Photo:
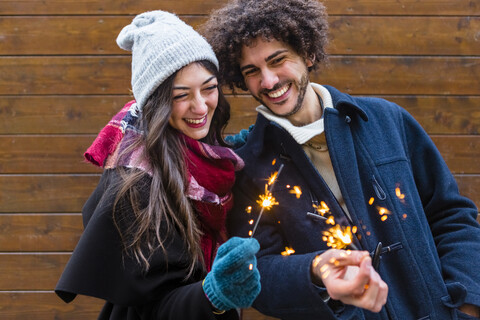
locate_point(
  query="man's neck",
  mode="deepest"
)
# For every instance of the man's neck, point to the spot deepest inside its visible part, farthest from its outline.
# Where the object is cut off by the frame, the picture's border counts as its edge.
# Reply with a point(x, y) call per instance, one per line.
point(311, 110)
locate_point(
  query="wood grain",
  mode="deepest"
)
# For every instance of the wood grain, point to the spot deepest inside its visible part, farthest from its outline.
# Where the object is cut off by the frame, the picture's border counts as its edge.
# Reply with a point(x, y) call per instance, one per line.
point(45, 193)
point(53, 154)
point(66, 114)
point(350, 35)
point(407, 75)
point(17, 305)
point(39, 232)
point(353, 7)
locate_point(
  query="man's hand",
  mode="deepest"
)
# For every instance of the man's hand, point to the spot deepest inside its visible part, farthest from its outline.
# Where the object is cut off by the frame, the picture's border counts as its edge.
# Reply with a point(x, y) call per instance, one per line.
point(349, 277)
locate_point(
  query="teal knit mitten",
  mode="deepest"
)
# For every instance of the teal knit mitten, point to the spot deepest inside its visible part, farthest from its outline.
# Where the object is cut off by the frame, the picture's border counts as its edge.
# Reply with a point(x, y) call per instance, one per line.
point(234, 281)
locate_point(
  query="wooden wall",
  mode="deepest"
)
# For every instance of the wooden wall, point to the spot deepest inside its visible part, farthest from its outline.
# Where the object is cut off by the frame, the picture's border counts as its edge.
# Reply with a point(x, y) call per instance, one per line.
point(62, 77)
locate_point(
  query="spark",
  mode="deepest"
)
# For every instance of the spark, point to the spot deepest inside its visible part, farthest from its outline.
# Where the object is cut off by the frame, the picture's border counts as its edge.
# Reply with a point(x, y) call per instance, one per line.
point(288, 251)
point(330, 220)
point(248, 209)
point(322, 208)
point(267, 200)
point(274, 161)
point(399, 193)
point(272, 178)
point(370, 202)
point(296, 191)
point(383, 212)
point(250, 267)
point(338, 237)
point(251, 221)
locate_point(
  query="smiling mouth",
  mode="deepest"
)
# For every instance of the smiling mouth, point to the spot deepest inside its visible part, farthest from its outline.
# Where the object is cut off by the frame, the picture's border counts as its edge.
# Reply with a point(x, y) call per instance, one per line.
point(195, 121)
point(278, 93)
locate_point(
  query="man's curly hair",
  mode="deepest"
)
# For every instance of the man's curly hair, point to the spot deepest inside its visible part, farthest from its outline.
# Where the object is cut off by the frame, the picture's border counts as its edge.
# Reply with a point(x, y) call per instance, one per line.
point(301, 24)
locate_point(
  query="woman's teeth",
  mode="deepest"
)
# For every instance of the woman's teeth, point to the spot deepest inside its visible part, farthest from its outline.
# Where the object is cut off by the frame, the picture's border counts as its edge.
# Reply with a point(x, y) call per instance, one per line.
point(278, 93)
point(195, 121)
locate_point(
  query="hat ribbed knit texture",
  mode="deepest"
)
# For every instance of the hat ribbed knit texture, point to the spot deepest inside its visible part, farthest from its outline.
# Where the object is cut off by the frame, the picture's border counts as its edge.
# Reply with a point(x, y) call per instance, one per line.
point(161, 44)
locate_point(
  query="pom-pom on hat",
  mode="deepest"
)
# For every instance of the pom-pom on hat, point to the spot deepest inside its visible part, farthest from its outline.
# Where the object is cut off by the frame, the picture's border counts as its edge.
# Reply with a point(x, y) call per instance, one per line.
point(161, 44)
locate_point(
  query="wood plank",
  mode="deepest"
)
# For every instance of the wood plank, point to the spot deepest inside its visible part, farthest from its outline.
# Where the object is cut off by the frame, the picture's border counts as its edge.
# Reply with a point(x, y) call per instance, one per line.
point(354, 74)
point(100, 7)
point(88, 114)
point(469, 186)
point(45, 193)
point(64, 154)
point(39, 232)
point(47, 305)
point(58, 114)
point(31, 271)
point(461, 153)
point(45, 154)
point(404, 35)
point(40, 35)
point(65, 75)
point(408, 75)
point(353, 7)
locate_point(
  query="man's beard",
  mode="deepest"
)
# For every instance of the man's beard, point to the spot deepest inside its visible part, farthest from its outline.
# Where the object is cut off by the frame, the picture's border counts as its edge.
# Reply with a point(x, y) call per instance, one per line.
point(302, 89)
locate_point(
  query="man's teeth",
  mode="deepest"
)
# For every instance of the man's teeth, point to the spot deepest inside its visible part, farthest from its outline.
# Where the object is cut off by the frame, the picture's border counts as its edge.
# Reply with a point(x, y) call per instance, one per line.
point(278, 93)
point(195, 121)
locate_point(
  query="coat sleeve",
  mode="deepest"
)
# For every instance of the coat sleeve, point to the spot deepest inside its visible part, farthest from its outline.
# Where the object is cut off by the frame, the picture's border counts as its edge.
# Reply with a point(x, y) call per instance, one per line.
point(99, 268)
point(287, 289)
point(451, 216)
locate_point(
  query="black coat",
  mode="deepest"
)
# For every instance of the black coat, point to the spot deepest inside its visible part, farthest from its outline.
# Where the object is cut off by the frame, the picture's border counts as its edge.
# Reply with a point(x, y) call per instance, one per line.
point(98, 268)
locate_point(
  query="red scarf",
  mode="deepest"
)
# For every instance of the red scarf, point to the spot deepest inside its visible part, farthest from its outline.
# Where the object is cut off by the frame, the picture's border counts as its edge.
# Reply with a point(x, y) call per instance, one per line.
point(211, 174)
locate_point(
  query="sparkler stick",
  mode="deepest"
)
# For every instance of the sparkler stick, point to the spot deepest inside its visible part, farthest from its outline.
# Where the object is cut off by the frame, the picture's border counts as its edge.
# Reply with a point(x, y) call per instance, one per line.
point(268, 197)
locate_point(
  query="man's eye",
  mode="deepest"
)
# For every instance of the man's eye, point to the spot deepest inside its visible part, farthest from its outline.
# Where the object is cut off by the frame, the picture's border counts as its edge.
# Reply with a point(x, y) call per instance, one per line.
point(278, 60)
point(250, 72)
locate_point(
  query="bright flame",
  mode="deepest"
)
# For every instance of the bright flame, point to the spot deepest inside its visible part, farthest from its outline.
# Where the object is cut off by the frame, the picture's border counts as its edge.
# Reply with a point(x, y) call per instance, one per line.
point(338, 237)
point(322, 208)
point(296, 191)
point(267, 201)
point(288, 251)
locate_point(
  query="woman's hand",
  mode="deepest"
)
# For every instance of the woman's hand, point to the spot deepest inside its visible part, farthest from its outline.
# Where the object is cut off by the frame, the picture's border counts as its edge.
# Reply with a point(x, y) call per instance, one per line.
point(234, 281)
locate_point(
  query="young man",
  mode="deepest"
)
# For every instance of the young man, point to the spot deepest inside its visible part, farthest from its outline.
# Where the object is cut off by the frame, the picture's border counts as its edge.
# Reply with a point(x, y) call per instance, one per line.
point(350, 163)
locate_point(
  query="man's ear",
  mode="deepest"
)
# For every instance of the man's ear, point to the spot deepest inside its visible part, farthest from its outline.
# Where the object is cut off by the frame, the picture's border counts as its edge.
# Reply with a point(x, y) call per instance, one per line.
point(309, 61)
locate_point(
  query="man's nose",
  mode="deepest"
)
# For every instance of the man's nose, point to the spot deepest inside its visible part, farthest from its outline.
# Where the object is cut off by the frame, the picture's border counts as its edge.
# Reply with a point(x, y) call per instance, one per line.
point(269, 79)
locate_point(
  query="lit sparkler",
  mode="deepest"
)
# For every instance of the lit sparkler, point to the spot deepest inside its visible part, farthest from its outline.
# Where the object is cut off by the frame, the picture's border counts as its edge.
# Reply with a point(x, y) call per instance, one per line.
point(267, 201)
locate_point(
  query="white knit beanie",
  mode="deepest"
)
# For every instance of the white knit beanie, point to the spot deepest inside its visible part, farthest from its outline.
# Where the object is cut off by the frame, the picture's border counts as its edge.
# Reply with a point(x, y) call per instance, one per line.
point(161, 44)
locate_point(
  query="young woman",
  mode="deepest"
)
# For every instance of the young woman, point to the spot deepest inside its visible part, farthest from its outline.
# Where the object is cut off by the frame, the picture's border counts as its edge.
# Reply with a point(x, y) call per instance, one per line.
point(156, 219)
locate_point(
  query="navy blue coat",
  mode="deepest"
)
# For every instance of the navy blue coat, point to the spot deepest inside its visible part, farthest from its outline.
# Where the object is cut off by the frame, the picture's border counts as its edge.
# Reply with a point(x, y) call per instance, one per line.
point(375, 147)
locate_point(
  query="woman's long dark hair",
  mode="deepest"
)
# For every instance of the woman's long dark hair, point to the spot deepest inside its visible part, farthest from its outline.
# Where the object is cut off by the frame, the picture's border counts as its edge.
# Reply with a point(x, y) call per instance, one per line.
point(168, 209)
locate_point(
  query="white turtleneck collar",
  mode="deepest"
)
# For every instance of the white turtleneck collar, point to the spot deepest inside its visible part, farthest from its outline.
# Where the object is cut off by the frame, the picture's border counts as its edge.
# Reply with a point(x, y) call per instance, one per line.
point(307, 132)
